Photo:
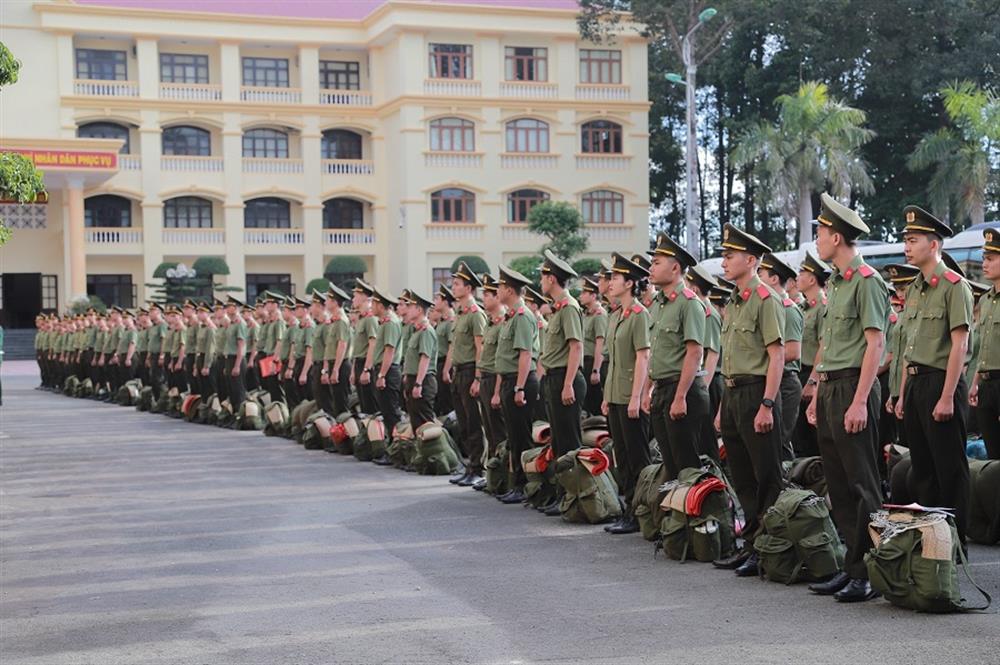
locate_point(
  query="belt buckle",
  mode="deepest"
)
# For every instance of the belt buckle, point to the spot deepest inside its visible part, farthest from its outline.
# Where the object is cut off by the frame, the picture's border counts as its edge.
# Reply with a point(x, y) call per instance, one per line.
point(911, 370)
point(730, 383)
point(823, 376)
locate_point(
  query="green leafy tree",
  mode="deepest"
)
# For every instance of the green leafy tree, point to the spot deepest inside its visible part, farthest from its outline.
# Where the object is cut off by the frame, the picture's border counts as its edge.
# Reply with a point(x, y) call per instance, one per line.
point(960, 155)
point(476, 264)
point(178, 282)
point(814, 145)
point(321, 284)
point(562, 224)
point(20, 181)
point(587, 266)
point(343, 270)
point(529, 266)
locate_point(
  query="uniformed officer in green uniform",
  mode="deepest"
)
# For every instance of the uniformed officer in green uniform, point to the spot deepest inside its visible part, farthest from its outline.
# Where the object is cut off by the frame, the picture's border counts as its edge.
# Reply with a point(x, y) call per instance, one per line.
point(336, 370)
point(752, 364)
point(188, 343)
point(595, 332)
point(235, 352)
point(388, 380)
point(320, 389)
point(406, 329)
point(628, 365)
point(444, 306)
point(486, 369)
point(303, 348)
point(703, 284)
point(154, 358)
point(462, 344)
point(900, 276)
point(811, 281)
point(675, 396)
point(125, 352)
point(776, 273)
point(204, 350)
point(285, 350)
point(420, 363)
point(934, 393)
point(272, 334)
point(252, 317)
point(985, 391)
point(515, 363)
point(363, 346)
point(219, 362)
point(846, 408)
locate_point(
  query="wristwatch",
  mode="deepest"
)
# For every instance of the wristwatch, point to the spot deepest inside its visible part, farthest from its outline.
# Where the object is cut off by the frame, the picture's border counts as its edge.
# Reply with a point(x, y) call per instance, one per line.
point(518, 389)
point(768, 403)
point(811, 382)
point(324, 371)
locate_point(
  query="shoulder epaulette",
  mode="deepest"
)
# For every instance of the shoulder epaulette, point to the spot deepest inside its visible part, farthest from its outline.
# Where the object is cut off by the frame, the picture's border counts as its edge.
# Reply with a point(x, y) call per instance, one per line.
point(788, 302)
point(952, 276)
point(688, 293)
point(866, 270)
point(636, 309)
point(763, 292)
point(520, 311)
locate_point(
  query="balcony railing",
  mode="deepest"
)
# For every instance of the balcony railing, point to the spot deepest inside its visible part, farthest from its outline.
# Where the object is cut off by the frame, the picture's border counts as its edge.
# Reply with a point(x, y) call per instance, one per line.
point(191, 92)
point(608, 232)
point(462, 160)
point(348, 166)
point(603, 162)
point(197, 237)
point(269, 95)
point(345, 97)
point(518, 232)
point(271, 165)
point(273, 237)
point(106, 88)
point(460, 87)
point(529, 89)
point(112, 237)
point(600, 91)
point(454, 231)
point(528, 160)
point(348, 237)
point(130, 162)
point(191, 164)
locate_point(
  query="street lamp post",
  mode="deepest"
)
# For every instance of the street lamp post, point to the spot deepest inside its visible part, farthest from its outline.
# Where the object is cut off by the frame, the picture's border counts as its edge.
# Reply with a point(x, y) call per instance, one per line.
point(693, 205)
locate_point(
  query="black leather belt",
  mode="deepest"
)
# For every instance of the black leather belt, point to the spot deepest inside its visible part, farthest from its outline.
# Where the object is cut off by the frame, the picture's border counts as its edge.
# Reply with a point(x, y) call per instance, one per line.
point(916, 370)
point(848, 373)
point(668, 381)
point(989, 375)
point(738, 380)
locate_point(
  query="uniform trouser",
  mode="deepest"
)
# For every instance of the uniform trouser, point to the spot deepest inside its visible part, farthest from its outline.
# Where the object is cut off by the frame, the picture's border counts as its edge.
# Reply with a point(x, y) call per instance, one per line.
point(194, 385)
point(791, 396)
point(125, 374)
point(141, 371)
point(886, 421)
point(272, 383)
point(206, 384)
point(305, 389)
point(679, 439)
point(221, 380)
point(518, 420)
point(754, 459)
point(850, 465)
point(470, 423)
point(253, 378)
point(631, 441)
point(237, 386)
point(595, 391)
point(366, 394)
point(988, 414)
point(85, 357)
point(320, 390)
point(564, 420)
point(446, 400)
point(708, 441)
point(493, 422)
point(340, 392)
point(939, 468)
point(155, 375)
point(291, 388)
point(388, 399)
point(804, 435)
point(420, 410)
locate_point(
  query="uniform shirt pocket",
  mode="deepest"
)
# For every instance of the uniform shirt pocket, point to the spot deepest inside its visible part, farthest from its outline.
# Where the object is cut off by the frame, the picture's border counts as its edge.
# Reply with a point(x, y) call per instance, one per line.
point(933, 323)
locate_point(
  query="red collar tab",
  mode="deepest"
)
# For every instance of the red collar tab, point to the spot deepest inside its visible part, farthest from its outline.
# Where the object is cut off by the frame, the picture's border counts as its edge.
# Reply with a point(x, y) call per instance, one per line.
point(952, 276)
point(559, 305)
point(520, 310)
point(471, 309)
point(866, 270)
point(688, 293)
point(672, 297)
point(763, 292)
point(745, 295)
point(634, 309)
point(787, 302)
point(934, 280)
point(848, 274)
point(384, 320)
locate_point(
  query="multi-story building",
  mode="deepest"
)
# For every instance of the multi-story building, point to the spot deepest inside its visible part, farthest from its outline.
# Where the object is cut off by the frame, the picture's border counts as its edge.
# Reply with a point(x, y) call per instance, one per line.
point(402, 133)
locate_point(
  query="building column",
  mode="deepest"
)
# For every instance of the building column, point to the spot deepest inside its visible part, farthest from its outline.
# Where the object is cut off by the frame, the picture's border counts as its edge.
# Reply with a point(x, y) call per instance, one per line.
point(233, 220)
point(381, 259)
point(312, 235)
point(152, 242)
point(231, 71)
point(65, 63)
point(309, 73)
point(489, 52)
point(148, 59)
point(566, 70)
point(77, 246)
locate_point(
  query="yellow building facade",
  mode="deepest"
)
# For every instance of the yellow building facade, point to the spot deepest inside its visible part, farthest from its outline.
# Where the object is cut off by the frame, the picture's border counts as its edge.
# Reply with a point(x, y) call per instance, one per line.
point(404, 134)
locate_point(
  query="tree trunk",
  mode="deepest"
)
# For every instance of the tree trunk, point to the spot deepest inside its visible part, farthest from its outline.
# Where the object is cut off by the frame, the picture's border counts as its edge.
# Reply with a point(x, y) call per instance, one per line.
point(977, 214)
point(749, 214)
point(805, 215)
point(720, 156)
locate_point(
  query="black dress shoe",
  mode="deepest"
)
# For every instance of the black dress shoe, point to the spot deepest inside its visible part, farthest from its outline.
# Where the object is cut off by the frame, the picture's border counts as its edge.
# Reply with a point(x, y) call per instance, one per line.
point(382, 461)
point(456, 479)
point(500, 497)
point(512, 497)
point(832, 585)
point(733, 561)
point(608, 527)
point(627, 525)
point(748, 568)
point(479, 485)
point(553, 510)
point(469, 480)
point(856, 591)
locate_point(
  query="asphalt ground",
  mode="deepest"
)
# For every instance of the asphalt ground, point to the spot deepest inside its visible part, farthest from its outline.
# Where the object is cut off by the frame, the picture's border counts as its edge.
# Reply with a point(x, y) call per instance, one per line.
point(134, 538)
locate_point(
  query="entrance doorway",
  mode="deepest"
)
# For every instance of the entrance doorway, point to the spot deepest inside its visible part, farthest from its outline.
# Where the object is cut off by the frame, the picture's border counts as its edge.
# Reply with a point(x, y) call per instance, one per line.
point(21, 299)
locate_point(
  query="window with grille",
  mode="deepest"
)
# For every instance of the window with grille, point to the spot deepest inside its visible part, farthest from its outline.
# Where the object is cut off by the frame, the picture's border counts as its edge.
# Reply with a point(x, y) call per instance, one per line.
point(50, 292)
point(343, 214)
point(527, 135)
point(453, 205)
point(270, 143)
point(338, 75)
point(520, 203)
point(601, 136)
point(112, 289)
point(107, 210)
point(451, 61)
point(267, 213)
point(600, 66)
point(258, 283)
point(265, 72)
point(183, 68)
point(453, 135)
point(341, 144)
point(526, 64)
point(440, 277)
point(185, 140)
point(603, 207)
point(105, 130)
point(101, 65)
point(187, 212)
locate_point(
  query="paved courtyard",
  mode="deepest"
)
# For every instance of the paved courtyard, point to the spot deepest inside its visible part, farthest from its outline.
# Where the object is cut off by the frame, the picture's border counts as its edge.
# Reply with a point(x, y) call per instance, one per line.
point(132, 538)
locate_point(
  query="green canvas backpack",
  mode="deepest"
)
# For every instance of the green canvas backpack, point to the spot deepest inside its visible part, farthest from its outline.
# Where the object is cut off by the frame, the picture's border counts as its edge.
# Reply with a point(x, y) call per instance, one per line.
point(316, 430)
point(70, 385)
point(342, 434)
point(403, 448)
point(984, 507)
point(298, 418)
point(250, 416)
point(277, 420)
point(913, 561)
point(435, 452)
point(591, 495)
point(540, 488)
point(498, 471)
point(86, 388)
point(698, 520)
point(370, 441)
point(799, 542)
point(647, 498)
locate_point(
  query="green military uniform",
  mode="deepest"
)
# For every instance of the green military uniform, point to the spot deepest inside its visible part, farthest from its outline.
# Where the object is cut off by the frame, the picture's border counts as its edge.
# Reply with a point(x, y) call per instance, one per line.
point(988, 360)
point(791, 388)
point(336, 331)
point(595, 326)
point(461, 335)
point(389, 333)
point(493, 422)
point(364, 332)
point(291, 338)
point(445, 399)
point(235, 333)
point(421, 343)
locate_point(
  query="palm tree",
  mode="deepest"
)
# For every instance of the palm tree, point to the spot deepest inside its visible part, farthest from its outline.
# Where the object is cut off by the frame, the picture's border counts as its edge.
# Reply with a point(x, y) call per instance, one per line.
point(960, 154)
point(813, 146)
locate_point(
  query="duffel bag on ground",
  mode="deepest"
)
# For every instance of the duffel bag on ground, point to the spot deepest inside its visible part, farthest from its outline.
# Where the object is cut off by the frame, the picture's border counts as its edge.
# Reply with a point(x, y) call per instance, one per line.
point(590, 493)
point(698, 523)
point(207, 409)
point(316, 431)
point(277, 420)
point(70, 385)
point(403, 448)
point(984, 507)
point(913, 561)
point(86, 388)
point(342, 434)
point(435, 453)
point(498, 476)
point(261, 396)
point(807, 473)
point(299, 414)
point(145, 402)
point(647, 498)
point(370, 437)
point(189, 407)
point(224, 415)
point(799, 542)
point(540, 489)
point(250, 416)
